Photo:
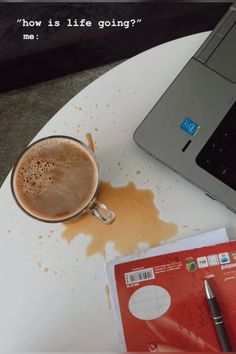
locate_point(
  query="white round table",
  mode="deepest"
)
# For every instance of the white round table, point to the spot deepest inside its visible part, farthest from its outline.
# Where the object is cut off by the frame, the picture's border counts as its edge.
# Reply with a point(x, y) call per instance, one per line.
point(53, 297)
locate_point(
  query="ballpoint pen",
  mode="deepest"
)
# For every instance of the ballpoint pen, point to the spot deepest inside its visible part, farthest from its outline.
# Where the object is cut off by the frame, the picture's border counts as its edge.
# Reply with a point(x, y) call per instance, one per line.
point(217, 318)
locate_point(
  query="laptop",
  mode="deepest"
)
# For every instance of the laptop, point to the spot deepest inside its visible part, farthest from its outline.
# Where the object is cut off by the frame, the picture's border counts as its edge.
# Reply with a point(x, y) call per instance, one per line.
point(192, 128)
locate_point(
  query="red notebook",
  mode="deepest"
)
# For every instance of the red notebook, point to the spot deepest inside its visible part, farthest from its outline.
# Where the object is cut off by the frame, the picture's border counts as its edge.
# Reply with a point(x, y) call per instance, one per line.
point(162, 301)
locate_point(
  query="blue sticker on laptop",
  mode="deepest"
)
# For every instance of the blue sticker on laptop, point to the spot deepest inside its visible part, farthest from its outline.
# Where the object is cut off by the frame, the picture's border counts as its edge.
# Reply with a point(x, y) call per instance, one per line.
point(189, 126)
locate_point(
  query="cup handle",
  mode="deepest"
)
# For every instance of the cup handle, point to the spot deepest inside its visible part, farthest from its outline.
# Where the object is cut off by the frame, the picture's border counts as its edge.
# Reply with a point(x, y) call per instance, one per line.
point(102, 213)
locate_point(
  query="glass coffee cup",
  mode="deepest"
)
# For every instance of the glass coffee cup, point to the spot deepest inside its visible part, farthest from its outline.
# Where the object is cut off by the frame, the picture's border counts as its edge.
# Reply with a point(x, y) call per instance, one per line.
point(56, 179)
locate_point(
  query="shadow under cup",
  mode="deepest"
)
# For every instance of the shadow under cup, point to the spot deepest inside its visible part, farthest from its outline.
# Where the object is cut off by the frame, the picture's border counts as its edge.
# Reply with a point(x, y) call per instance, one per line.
point(56, 179)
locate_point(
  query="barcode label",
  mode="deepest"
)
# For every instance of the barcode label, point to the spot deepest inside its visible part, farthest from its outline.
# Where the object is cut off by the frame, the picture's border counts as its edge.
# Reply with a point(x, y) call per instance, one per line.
point(139, 275)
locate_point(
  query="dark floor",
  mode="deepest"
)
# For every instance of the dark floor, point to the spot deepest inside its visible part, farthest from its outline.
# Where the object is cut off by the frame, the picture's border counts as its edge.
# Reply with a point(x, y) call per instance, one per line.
point(24, 112)
point(62, 50)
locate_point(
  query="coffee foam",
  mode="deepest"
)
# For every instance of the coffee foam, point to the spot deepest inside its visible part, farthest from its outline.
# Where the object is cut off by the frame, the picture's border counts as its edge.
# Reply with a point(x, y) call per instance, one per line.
point(55, 178)
point(36, 178)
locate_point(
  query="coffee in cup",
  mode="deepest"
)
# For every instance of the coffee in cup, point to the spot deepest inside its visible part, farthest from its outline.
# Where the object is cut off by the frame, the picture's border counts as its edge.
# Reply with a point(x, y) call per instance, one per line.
point(56, 179)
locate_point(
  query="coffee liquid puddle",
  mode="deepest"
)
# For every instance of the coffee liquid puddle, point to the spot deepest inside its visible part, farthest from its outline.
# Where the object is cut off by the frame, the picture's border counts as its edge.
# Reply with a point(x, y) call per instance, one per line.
point(137, 221)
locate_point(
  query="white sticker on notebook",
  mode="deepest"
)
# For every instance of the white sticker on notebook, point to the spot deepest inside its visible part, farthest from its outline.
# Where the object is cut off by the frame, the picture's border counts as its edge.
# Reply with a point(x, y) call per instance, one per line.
point(149, 302)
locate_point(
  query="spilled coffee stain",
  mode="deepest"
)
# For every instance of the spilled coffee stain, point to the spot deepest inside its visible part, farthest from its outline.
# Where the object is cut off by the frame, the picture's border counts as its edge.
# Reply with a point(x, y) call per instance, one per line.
point(137, 221)
point(90, 141)
point(107, 292)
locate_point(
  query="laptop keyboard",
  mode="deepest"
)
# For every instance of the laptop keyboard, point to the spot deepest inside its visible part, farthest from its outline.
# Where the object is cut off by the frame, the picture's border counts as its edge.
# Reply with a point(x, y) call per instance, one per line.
point(218, 156)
